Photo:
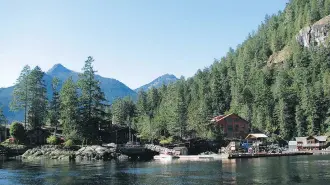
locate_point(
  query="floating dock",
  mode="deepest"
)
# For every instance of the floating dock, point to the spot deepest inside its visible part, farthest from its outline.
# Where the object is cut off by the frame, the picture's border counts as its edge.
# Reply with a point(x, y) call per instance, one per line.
point(234, 156)
point(203, 157)
point(257, 155)
point(196, 157)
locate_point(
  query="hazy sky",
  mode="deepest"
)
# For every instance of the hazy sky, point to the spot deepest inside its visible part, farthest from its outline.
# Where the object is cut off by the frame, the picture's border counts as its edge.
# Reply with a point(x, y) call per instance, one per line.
point(133, 41)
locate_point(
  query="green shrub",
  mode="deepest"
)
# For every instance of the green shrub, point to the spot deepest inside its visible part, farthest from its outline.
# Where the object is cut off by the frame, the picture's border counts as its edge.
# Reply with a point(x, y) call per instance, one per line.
point(68, 143)
point(169, 140)
point(52, 140)
point(17, 131)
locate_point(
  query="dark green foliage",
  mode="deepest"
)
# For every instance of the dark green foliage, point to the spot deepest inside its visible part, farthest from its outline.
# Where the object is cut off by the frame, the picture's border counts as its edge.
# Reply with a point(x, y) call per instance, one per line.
point(38, 107)
point(54, 107)
point(3, 122)
point(17, 131)
point(3, 119)
point(92, 99)
point(21, 94)
point(69, 113)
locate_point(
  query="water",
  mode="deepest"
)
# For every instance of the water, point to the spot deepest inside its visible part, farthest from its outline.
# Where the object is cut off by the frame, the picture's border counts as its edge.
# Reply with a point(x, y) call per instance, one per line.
point(311, 170)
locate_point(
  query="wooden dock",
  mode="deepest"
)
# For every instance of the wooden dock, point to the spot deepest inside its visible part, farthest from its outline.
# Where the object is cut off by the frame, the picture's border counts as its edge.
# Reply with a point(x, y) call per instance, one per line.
point(203, 157)
point(257, 155)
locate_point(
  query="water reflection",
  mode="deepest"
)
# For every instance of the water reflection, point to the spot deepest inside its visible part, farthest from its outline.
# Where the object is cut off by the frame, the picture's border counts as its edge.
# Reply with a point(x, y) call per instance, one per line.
point(281, 170)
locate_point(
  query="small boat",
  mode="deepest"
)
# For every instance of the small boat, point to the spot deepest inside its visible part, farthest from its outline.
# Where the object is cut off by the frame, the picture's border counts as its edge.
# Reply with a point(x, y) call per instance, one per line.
point(166, 156)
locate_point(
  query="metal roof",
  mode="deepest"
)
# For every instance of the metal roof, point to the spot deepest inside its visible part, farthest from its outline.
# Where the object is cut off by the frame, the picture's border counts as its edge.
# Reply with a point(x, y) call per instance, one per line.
point(301, 138)
point(321, 138)
point(255, 136)
point(292, 142)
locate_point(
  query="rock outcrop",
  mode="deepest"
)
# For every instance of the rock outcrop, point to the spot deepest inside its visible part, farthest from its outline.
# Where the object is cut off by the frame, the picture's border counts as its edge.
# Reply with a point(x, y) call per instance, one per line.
point(96, 152)
point(157, 148)
point(316, 34)
point(49, 152)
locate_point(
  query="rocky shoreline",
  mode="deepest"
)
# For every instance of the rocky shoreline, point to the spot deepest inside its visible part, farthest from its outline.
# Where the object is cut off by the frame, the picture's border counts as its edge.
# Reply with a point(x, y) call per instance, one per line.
point(93, 152)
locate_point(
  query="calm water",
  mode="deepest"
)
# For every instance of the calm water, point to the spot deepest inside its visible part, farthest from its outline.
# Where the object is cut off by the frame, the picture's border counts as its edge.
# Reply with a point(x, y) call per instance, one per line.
point(284, 170)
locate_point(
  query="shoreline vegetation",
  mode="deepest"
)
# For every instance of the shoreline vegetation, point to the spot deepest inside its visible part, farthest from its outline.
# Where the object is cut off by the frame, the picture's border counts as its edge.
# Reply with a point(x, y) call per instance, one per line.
point(276, 80)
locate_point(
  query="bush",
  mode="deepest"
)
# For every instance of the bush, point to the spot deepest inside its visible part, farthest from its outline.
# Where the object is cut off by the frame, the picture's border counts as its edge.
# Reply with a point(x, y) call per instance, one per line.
point(17, 131)
point(52, 140)
point(68, 143)
point(169, 140)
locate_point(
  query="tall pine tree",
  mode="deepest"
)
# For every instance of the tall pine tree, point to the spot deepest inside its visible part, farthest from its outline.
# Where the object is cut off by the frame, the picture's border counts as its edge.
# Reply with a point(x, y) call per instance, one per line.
point(54, 107)
point(69, 112)
point(21, 95)
point(92, 101)
point(37, 88)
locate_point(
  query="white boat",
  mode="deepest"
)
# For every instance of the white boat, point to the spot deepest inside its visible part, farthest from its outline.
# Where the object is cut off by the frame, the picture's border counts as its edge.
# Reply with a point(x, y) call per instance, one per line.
point(166, 156)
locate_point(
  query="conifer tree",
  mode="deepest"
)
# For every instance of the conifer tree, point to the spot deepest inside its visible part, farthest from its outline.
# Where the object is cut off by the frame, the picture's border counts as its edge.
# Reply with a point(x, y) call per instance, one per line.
point(21, 95)
point(92, 102)
point(69, 112)
point(37, 89)
point(54, 107)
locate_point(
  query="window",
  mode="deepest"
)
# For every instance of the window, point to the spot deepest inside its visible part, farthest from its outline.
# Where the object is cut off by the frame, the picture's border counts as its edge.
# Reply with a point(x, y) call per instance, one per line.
point(236, 127)
point(230, 128)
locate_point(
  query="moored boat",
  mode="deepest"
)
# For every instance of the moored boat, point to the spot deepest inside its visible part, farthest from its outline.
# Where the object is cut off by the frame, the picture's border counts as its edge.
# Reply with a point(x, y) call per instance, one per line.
point(166, 156)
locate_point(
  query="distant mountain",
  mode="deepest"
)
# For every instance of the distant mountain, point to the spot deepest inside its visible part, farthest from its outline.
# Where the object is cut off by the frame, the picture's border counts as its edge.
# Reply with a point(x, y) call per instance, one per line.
point(158, 82)
point(112, 89)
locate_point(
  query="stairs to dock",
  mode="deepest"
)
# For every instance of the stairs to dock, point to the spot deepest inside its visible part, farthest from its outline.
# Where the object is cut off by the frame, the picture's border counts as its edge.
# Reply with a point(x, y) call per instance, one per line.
point(228, 147)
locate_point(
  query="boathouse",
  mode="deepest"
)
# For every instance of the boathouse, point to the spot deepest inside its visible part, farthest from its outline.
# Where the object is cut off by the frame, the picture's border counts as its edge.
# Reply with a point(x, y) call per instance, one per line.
point(233, 126)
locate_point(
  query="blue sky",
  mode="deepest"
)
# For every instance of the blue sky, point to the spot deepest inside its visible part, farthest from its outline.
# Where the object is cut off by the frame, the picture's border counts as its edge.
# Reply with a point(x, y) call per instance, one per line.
point(133, 41)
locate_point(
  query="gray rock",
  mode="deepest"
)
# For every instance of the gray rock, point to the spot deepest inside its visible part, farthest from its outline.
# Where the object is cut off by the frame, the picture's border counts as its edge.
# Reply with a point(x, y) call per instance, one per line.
point(316, 34)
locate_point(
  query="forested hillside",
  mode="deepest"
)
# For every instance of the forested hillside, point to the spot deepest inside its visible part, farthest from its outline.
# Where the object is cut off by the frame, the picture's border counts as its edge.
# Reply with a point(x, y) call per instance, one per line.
point(281, 87)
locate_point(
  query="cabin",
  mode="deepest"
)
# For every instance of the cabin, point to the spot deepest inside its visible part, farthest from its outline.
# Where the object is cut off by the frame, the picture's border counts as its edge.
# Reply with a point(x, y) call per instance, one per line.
point(311, 142)
point(37, 136)
point(233, 126)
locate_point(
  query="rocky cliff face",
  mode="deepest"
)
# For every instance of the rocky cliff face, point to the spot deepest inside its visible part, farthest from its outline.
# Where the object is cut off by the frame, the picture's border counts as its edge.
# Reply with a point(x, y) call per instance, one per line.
point(316, 34)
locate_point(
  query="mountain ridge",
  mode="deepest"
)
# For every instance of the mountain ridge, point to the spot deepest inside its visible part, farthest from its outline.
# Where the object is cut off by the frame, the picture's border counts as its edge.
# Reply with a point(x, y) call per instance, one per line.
point(165, 79)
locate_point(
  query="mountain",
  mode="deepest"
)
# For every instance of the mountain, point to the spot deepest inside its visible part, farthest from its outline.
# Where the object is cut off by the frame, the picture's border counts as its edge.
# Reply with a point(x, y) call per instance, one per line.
point(112, 89)
point(158, 82)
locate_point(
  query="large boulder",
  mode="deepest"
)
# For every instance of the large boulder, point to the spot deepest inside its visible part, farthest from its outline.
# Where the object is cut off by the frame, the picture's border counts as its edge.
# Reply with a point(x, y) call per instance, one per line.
point(95, 152)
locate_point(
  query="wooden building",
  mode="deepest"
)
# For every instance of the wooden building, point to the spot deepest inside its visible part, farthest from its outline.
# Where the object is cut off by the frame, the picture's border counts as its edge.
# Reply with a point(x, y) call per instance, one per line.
point(311, 142)
point(233, 126)
point(38, 136)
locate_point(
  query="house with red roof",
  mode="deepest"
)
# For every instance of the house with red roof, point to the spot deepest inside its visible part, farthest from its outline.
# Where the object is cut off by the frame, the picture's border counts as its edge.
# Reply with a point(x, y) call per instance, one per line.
point(233, 126)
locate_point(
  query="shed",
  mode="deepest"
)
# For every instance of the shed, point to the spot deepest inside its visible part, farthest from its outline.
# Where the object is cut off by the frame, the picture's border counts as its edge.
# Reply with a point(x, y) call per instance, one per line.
point(293, 145)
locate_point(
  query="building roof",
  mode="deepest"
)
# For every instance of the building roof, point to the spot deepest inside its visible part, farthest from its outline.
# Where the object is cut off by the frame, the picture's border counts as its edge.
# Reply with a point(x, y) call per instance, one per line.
point(222, 117)
point(292, 142)
point(321, 138)
point(255, 136)
point(301, 138)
